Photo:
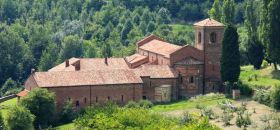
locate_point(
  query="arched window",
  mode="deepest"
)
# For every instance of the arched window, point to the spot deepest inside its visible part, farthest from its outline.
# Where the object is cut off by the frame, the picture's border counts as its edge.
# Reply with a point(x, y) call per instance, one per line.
point(199, 37)
point(213, 37)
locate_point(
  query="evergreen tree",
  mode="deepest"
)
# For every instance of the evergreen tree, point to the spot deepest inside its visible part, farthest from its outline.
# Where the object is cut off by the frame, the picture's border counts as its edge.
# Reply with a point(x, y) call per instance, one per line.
point(274, 32)
point(163, 16)
point(228, 12)
point(72, 46)
point(230, 60)
point(89, 49)
point(255, 49)
point(215, 11)
point(126, 29)
point(48, 58)
point(106, 50)
point(151, 27)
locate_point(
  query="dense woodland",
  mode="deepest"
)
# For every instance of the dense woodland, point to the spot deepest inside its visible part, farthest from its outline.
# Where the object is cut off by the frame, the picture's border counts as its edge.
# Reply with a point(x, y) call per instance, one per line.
point(42, 33)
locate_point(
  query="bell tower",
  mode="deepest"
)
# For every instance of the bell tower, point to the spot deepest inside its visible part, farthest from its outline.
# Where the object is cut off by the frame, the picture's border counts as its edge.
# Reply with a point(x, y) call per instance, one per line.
point(209, 34)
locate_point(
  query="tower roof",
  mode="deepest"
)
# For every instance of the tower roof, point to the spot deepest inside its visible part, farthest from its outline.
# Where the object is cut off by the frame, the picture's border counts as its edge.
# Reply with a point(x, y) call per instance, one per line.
point(209, 23)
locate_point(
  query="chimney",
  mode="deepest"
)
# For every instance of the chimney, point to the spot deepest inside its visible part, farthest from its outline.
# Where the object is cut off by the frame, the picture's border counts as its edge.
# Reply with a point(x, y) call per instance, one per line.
point(77, 66)
point(106, 60)
point(32, 71)
point(67, 63)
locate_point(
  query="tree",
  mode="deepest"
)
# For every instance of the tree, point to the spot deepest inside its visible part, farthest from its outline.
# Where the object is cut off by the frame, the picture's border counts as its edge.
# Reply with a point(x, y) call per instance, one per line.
point(19, 118)
point(163, 16)
point(255, 49)
point(9, 11)
point(89, 49)
point(2, 125)
point(275, 97)
point(215, 11)
point(68, 114)
point(8, 85)
point(151, 27)
point(72, 46)
point(41, 103)
point(106, 50)
point(228, 12)
point(263, 29)
point(274, 31)
point(230, 60)
point(126, 29)
point(48, 58)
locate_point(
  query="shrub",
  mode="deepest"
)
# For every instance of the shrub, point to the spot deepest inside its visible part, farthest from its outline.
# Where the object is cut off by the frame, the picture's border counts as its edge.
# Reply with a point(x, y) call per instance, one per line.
point(227, 117)
point(265, 64)
point(68, 113)
point(275, 97)
point(132, 104)
point(145, 104)
point(245, 89)
point(262, 96)
point(2, 125)
point(19, 118)
point(8, 85)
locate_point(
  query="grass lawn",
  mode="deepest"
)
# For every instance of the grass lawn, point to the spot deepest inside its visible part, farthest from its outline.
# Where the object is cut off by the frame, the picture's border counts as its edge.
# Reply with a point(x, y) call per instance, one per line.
point(4, 106)
point(265, 76)
point(181, 27)
point(208, 100)
point(69, 126)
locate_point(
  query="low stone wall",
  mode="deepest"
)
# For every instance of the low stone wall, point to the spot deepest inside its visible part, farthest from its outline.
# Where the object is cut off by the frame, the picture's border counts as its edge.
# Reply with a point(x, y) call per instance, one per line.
point(3, 99)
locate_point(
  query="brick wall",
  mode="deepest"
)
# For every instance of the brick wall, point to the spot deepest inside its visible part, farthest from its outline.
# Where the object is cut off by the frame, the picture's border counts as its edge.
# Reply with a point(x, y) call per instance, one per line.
point(30, 83)
point(186, 51)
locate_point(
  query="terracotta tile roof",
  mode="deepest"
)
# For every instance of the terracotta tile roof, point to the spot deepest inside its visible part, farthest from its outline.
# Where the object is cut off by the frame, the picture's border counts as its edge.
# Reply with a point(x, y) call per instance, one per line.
point(160, 47)
point(135, 58)
point(81, 78)
point(209, 22)
point(156, 71)
point(23, 93)
point(61, 67)
point(148, 39)
point(99, 64)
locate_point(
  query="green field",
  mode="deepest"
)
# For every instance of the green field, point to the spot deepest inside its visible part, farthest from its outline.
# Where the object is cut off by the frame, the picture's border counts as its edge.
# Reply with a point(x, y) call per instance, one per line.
point(181, 27)
point(265, 77)
point(208, 100)
point(4, 106)
point(69, 126)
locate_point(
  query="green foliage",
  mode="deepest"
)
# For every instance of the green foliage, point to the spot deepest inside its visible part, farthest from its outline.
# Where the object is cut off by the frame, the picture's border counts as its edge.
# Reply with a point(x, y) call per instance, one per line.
point(68, 114)
point(19, 118)
point(245, 89)
point(72, 46)
point(215, 11)
point(243, 120)
point(41, 103)
point(230, 60)
point(228, 11)
point(2, 125)
point(8, 85)
point(262, 96)
point(145, 104)
point(48, 58)
point(132, 104)
point(275, 97)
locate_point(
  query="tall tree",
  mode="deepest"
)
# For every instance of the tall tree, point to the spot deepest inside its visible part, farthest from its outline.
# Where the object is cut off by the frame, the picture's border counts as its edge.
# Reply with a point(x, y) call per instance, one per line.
point(40, 103)
point(107, 50)
point(230, 60)
point(228, 12)
point(255, 49)
point(274, 31)
point(49, 57)
point(215, 11)
point(72, 46)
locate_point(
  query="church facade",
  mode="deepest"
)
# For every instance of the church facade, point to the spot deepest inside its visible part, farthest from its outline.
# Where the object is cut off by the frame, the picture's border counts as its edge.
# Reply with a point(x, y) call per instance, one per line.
point(159, 71)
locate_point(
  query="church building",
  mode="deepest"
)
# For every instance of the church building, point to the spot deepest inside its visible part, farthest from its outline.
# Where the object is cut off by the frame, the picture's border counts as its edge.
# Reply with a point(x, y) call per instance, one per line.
point(159, 71)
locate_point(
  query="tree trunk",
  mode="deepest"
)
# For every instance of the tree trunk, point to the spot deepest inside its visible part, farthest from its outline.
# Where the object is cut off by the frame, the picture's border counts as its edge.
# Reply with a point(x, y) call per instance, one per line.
point(275, 66)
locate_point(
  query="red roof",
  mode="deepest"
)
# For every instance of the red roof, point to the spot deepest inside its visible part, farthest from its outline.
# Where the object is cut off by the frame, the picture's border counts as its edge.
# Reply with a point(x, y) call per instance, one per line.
point(23, 93)
point(209, 23)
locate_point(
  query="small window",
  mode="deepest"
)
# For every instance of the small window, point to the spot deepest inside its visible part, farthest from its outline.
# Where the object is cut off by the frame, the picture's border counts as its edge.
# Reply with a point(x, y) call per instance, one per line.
point(69, 99)
point(85, 100)
point(199, 37)
point(109, 98)
point(180, 78)
point(144, 97)
point(122, 98)
point(191, 79)
point(77, 103)
point(213, 37)
point(96, 99)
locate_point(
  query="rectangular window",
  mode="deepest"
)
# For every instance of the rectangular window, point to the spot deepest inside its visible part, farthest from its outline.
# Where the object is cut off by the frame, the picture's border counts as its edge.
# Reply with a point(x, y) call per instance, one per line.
point(96, 99)
point(122, 98)
point(85, 100)
point(109, 98)
point(77, 103)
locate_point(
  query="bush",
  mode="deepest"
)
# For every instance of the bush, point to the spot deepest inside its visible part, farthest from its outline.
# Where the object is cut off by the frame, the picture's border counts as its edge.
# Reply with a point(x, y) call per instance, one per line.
point(265, 64)
point(19, 118)
point(8, 85)
point(262, 96)
point(275, 97)
point(145, 104)
point(245, 89)
point(132, 104)
point(68, 113)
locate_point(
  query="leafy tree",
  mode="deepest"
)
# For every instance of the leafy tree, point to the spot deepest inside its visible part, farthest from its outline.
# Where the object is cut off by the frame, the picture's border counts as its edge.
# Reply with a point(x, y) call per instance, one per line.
point(264, 26)
point(106, 50)
point(136, 19)
point(41, 103)
point(68, 113)
point(228, 12)
point(2, 125)
point(8, 85)
point(254, 47)
point(173, 6)
point(126, 29)
point(275, 97)
point(215, 12)
point(163, 16)
point(274, 32)
point(72, 46)
point(89, 49)
point(151, 27)
point(48, 58)
point(9, 11)
point(230, 60)
point(19, 118)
